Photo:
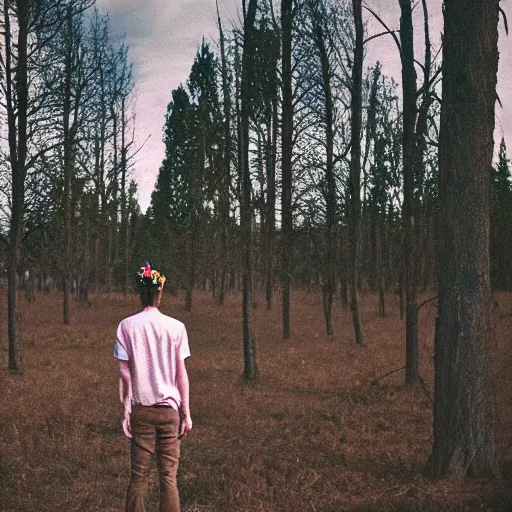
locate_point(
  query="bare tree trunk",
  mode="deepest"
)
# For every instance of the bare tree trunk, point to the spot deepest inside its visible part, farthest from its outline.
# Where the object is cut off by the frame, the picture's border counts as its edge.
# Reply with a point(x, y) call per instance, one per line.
point(238, 114)
point(401, 292)
point(329, 280)
point(380, 271)
point(249, 341)
point(17, 139)
point(124, 203)
point(409, 210)
point(67, 167)
point(286, 163)
point(115, 203)
point(321, 38)
point(271, 155)
point(261, 243)
point(343, 269)
point(355, 166)
point(369, 203)
point(226, 175)
point(84, 287)
point(420, 147)
point(463, 408)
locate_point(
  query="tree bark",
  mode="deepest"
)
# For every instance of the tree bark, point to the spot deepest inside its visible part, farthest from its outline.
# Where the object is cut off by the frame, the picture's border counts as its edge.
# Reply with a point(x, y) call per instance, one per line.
point(344, 273)
point(355, 166)
point(380, 271)
point(124, 202)
point(115, 201)
point(320, 38)
point(409, 210)
point(68, 170)
point(226, 175)
point(17, 109)
point(249, 341)
point(286, 162)
point(420, 147)
point(463, 408)
point(270, 224)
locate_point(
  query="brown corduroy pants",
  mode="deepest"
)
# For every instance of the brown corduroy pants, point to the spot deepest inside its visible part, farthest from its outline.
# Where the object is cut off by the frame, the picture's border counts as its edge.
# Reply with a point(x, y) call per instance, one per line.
point(154, 427)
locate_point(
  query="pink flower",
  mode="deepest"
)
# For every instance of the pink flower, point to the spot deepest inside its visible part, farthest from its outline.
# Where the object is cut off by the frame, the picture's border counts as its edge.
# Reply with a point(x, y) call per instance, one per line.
point(147, 271)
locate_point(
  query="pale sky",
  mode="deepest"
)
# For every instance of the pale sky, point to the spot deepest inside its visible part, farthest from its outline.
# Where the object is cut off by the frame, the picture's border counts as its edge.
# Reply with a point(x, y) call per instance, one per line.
point(164, 36)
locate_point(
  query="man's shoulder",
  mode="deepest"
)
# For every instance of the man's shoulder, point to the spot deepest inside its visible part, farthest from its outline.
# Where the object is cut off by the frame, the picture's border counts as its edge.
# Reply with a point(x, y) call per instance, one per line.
point(172, 322)
point(134, 317)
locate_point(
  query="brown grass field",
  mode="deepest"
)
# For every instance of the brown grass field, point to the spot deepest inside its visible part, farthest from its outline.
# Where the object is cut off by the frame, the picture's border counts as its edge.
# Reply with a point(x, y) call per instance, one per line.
point(314, 434)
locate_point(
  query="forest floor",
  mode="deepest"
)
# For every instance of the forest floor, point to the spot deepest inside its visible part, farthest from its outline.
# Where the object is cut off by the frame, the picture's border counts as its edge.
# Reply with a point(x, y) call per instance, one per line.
point(314, 434)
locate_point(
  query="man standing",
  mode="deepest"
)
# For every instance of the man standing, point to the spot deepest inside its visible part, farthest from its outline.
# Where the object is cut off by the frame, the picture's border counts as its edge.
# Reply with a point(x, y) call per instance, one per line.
point(151, 348)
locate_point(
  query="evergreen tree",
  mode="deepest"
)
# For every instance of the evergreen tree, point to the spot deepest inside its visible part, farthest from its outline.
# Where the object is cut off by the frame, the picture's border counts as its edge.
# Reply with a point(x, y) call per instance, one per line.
point(186, 192)
point(501, 220)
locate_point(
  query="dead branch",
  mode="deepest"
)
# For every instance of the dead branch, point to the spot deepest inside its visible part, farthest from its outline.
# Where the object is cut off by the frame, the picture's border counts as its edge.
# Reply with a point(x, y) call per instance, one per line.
point(374, 381)
point(392, 33)
point(504, 20)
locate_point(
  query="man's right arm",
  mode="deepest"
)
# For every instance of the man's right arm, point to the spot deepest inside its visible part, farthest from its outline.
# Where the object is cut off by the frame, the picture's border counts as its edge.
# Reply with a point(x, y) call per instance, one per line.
point(183, 387)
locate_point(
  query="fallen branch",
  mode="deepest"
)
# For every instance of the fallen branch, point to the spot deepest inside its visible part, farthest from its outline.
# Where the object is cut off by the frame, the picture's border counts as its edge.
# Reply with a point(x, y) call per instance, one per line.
point(422, 382)
point(386, 374)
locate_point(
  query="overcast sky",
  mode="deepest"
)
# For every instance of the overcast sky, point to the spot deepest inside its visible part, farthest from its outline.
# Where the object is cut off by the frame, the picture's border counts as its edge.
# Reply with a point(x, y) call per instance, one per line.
point(164, 35)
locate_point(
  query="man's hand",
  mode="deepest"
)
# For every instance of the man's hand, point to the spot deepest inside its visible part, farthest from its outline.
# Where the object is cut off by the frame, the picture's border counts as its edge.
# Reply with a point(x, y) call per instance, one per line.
point(186, 425)
point(183, 387)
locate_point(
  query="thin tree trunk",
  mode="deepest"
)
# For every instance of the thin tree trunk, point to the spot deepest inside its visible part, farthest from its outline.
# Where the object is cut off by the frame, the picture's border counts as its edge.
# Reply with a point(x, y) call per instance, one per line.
point(344, 243)
point(84, 292)
point(463, 405)
point(17, 139)
point(255, 265)
point(286, 162)
point(271, 155)
point(67, 163)
point(409, 210)
point(259, 261)
point(380, 271)
point(420, 147)
point(226, 175)
point(124, 203)
point(320, 38)
point(355, 167)
point(249, 341)
point(115, 205)
point(97, 207)
point(401, 292)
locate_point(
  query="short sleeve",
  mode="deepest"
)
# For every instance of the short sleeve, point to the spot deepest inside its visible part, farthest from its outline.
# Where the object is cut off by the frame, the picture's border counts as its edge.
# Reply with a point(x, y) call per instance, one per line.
point(183, 347)
point(120, 347)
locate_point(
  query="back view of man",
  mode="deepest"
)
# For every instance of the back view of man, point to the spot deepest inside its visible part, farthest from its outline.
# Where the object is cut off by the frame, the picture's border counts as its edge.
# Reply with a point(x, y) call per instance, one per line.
point(151, 348)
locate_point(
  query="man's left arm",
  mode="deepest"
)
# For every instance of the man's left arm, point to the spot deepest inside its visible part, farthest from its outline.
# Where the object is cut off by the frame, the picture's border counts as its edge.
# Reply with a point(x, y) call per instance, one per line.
point(125, 386)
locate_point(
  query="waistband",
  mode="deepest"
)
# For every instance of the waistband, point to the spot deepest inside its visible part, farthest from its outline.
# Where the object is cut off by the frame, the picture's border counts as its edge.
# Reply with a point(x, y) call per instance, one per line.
point(154, 406)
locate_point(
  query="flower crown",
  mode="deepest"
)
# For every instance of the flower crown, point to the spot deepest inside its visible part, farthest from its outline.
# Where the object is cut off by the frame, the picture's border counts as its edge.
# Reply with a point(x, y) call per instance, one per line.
point(153, 275)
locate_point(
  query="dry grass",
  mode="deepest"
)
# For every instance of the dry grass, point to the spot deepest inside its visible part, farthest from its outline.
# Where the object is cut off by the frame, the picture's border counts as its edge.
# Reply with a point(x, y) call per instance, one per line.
point(313, 435)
